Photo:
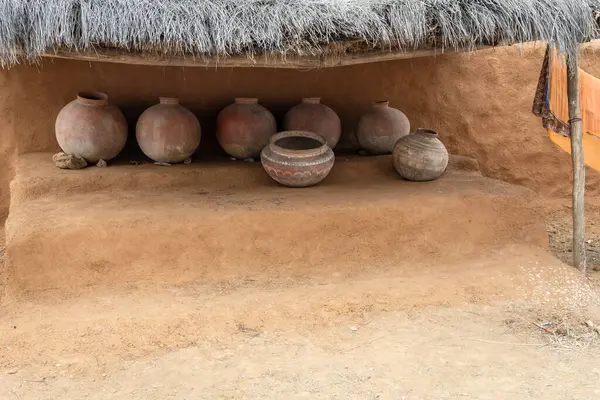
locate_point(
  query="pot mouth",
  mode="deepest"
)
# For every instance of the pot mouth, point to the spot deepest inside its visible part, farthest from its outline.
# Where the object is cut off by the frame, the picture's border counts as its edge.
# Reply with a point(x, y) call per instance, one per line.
point(381, 103)
point(299, 144)
point(93, 98)
point(168, 100)
point(246, 100)
point(311, 100)
point(426, 132)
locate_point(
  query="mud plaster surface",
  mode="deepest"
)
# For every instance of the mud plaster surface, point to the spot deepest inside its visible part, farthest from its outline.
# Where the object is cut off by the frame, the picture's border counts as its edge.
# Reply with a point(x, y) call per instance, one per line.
point(479, 103)
point(204, 222)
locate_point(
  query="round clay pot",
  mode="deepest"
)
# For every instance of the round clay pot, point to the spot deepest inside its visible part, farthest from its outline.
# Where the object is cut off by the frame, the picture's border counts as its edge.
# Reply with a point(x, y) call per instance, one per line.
point(312, 116)
point(380, 128)
point(89, 127)
point(297, 158)
point(168, 132)
point(244, 128)
point(420, 156)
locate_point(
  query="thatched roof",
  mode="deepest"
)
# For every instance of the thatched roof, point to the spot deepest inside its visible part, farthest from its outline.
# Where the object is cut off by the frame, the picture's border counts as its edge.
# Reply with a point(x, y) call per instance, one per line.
point(224, 28)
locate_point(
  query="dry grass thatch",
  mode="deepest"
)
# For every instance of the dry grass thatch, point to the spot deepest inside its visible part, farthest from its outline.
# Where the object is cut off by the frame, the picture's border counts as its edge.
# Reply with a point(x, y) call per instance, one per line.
point(29, 28)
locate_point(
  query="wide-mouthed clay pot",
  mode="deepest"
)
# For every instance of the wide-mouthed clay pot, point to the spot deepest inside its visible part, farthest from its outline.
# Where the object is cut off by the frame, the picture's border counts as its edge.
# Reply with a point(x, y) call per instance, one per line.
point(91, 128)
point(297, 158)
point(244, 128)
point(168, 132)
point(420, 156)
point(380, 128)
point(312, 116)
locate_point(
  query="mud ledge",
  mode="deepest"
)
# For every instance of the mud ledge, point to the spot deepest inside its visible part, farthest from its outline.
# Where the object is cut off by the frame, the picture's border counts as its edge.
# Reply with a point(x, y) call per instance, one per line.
point(70, 232)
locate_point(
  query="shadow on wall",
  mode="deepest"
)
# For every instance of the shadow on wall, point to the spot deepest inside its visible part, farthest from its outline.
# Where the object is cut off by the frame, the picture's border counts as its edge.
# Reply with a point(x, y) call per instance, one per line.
point(480, 104)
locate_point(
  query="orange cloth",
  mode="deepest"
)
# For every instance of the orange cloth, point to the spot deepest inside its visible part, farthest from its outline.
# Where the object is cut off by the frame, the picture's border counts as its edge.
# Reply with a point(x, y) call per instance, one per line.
point(589, 94)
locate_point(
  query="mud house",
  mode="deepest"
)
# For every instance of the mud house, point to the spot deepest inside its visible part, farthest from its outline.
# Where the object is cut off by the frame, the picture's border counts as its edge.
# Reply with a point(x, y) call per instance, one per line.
point(216, 219)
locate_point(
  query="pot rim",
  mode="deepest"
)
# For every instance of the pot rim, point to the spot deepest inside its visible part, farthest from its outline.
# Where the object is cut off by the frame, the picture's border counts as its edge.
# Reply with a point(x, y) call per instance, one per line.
point(92, 98)
point(427, 132)
point(381, 103)
point(317, 151)
point(246, 100)
point(311, 100)
point(168, 100)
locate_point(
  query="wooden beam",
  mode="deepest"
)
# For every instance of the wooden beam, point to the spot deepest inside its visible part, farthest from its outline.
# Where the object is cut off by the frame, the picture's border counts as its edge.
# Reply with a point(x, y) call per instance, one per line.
point(576, 128)
point(329, 59)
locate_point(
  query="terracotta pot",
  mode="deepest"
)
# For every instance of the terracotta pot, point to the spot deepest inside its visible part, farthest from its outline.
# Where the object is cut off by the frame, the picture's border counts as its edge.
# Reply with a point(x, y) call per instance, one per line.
point(420, 156)
point(244, 128)
point(297, 158)
point(89, 127)
point(315, 117)
point(168, 132)
point(380, 128)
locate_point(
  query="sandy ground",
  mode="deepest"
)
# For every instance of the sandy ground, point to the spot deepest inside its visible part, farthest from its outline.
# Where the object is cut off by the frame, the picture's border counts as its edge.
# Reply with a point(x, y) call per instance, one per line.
point(187, 344)
point(422, 354)
point(358, 340)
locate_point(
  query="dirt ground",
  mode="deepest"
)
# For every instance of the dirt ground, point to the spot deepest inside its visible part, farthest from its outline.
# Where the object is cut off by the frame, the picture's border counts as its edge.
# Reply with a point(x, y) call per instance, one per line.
point(559, 221)
point(356, 341)
point(427, 354)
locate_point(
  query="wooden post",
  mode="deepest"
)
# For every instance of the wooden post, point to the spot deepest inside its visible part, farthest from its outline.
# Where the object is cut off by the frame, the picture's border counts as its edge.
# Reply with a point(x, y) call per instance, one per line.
point(576, 127)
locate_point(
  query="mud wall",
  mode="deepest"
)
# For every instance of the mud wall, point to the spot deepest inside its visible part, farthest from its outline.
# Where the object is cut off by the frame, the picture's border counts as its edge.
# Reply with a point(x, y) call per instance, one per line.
point(479, 103)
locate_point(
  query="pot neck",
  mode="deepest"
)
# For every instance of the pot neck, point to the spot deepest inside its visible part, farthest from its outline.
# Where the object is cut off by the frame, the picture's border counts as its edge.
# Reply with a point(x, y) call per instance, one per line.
point(426, 133)
point(311, 100)
point(246, 100)
point(317, 151)
point(92, 98)
point(168, 100)
point(381, 104)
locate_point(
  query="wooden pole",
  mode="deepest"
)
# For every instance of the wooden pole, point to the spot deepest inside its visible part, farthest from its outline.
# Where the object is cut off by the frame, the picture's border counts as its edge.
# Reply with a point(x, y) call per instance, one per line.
point(576, 127)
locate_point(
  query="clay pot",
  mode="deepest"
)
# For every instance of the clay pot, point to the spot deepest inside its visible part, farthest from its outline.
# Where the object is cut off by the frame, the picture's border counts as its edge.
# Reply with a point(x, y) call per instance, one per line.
point(315, 117)
point(244, 128)
point(380, 128)
point(297, 158)
point(420, 156)
point(89, 127)
point(168, 132)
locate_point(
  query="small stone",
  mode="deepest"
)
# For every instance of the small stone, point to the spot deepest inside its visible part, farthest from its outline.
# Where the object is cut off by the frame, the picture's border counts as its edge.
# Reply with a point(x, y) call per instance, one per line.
point(353, 328)
point(187, 161)
point(233, 158)
point(162, 164)
point(249, 159)
point(67, 161)
point(101, 164)
point(12, 371)
point(589, 324)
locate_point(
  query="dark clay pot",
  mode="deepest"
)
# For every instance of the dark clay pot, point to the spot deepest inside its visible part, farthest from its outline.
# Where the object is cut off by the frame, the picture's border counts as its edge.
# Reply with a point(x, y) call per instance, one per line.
point(168, 132)
point(244, 128)
point(420, 156)
point(312, 116)
point(380, 128)
point(297, 158)
point(89, 127)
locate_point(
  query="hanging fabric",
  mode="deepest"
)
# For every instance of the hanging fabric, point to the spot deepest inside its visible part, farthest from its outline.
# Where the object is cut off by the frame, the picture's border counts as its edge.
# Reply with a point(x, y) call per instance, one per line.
point(552, 106)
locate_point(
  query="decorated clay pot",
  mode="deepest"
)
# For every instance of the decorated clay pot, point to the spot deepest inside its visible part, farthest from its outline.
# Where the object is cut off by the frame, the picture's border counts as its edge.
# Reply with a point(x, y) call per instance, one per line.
point(297, 158)
point(420, 156)
point(168, 132)
point(244, 128)
point(89, 127)
point(380, 128)
point(312, 116)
